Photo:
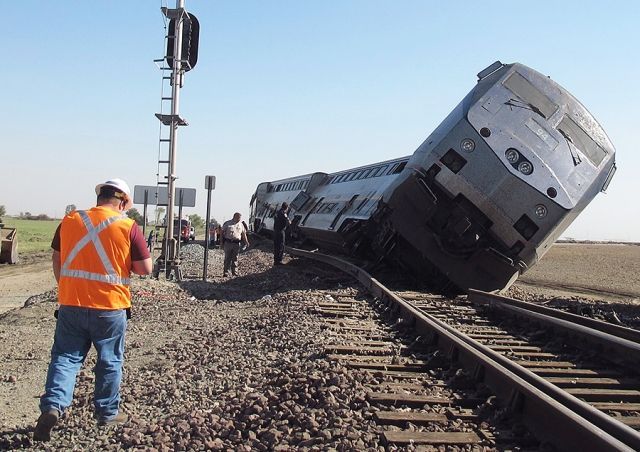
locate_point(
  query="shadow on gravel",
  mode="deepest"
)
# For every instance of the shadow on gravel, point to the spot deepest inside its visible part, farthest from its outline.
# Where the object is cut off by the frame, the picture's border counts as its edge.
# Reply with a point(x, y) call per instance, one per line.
point(16, 438)
point(295, 274)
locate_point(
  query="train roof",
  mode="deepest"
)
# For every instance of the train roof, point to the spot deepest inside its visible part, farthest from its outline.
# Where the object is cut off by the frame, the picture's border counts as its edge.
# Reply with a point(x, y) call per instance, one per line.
point(309, 175)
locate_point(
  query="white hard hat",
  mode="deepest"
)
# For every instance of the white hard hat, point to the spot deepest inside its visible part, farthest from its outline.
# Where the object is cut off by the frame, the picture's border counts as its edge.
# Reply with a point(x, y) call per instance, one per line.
point(120, 185)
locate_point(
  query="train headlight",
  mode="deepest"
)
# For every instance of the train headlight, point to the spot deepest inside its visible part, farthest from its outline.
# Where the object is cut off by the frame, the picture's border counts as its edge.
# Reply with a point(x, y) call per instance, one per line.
point(512, 155)
point(525, 168)
point(541, 211)
point(467, 145)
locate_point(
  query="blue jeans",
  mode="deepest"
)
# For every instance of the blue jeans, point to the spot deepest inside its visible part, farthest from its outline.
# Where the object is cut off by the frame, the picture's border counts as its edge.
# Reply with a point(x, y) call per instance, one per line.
point(76, 329)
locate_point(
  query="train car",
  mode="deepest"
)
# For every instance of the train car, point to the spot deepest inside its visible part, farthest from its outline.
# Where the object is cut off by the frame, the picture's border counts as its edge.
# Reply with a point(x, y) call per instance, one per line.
point(479, 202)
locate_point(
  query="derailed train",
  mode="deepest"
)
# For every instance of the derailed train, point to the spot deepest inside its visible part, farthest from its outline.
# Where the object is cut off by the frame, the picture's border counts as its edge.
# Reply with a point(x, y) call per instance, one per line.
point(479, 202)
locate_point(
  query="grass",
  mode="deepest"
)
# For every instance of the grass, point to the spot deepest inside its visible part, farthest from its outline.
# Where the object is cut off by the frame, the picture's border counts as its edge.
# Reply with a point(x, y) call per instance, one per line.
point(33, 235)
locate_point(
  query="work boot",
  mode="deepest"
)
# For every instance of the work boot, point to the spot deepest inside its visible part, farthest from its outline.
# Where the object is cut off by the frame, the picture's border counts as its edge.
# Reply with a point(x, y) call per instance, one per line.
point(45, 424)
point(119, 418)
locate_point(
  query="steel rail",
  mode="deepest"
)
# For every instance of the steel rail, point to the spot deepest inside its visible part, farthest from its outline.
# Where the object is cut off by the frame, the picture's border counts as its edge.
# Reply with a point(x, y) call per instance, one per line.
point(624, 350)
point(478, 296)
point(531, 396)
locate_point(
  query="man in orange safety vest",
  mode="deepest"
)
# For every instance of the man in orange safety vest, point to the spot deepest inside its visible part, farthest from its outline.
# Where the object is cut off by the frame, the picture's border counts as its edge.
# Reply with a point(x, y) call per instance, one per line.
point(94, 253)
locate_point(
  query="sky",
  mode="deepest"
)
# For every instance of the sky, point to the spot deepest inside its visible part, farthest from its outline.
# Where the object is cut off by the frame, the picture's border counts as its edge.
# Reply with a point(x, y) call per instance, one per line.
point(284, 88)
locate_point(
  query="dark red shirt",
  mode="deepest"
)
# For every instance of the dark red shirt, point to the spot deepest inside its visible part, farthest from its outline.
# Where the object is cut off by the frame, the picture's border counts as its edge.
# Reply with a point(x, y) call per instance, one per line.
point(139, 250)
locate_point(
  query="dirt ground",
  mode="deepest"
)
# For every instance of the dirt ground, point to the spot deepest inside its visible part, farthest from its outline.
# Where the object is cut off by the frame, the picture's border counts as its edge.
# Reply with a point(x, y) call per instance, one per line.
point(580, 273)
point(601, 271)
point(32, 276)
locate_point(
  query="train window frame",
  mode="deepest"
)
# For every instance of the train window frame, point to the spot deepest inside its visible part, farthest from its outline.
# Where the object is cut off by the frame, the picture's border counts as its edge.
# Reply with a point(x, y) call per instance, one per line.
point(399, 167)
point(576, 136)
point(361, 205)
point(523, 89)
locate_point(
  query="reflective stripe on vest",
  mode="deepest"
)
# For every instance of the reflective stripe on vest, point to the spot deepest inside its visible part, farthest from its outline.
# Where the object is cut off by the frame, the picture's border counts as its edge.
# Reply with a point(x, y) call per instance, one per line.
point(111, 277)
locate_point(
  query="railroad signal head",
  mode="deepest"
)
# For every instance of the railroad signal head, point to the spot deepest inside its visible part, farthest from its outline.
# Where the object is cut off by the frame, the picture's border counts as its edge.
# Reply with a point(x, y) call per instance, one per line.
point(190, 38)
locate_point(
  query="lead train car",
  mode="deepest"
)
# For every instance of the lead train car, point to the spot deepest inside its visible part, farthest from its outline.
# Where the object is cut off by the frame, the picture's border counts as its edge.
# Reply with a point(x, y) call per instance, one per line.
point(478, 203)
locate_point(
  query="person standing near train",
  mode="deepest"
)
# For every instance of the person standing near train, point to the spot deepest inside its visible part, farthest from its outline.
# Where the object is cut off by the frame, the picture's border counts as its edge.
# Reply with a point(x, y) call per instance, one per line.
point(233, 234)
point(94, 253)
point(280, 225)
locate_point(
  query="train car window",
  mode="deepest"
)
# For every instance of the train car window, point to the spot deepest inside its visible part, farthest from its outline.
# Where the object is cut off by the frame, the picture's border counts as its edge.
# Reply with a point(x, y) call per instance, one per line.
point(366, 173)
point(350, 177)
point(382, 170)
point(361, 205)
point(581, 140)
point(532, 97)
point(398, 169)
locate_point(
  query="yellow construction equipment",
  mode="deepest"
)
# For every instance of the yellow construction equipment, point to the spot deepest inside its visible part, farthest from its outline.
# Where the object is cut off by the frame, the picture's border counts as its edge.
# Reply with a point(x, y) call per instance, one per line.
point(9, 251)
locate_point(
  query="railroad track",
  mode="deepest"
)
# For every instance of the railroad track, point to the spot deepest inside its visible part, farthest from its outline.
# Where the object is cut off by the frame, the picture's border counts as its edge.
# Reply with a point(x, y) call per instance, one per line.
point(570, 380)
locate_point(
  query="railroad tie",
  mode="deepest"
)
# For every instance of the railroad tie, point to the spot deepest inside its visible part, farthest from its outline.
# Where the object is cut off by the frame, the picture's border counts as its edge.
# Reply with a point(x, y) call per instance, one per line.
point(404, 417)
point(399, 398)
point(431, 438)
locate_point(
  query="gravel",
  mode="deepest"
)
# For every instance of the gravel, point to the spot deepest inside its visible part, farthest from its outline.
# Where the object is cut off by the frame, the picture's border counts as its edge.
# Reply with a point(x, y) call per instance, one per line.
point(233, 363)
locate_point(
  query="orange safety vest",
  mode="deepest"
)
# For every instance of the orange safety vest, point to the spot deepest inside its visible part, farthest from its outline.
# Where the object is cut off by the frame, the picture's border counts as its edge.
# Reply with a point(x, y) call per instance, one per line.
point(95, 256)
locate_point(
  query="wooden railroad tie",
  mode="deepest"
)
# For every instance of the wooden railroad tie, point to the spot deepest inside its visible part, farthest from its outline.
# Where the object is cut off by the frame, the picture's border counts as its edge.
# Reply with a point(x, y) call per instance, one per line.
point(432, 438)
point(399, 398)
point(404, 417)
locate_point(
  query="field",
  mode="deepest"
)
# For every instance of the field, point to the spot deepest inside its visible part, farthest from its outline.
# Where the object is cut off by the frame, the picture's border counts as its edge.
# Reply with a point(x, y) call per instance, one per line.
point(33, 235)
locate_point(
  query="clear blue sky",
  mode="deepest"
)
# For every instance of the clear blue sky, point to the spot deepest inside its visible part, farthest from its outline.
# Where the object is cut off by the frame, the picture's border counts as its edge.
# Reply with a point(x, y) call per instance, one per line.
point(286, 88)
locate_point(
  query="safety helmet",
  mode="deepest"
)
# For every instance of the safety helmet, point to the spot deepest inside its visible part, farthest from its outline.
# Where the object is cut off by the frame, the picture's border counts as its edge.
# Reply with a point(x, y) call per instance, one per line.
point(119, 185)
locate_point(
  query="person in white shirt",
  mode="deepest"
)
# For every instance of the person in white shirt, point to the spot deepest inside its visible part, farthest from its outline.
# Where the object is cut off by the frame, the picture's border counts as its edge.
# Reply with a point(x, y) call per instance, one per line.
point(233, 234)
